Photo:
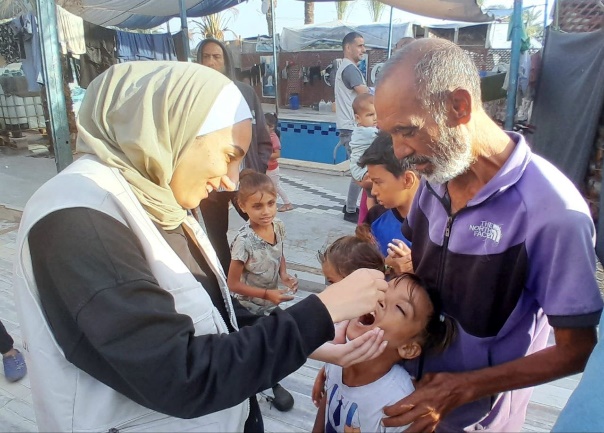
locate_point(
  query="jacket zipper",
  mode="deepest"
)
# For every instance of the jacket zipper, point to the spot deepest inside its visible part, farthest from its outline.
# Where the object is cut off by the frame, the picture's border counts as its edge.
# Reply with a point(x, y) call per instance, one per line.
point(443, 257)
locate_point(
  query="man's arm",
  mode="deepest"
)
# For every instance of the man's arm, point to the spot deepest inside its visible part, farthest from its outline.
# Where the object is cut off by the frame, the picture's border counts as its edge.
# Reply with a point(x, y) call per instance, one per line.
point(361, 88)
point(437, 394)
point(353, 79)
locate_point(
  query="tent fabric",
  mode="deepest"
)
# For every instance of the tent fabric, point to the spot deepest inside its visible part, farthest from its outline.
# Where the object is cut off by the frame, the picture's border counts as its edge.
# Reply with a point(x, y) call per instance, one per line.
point(331, 35)
point(497, 38)
point(140, 14)
point(458, 10)
point(568, 105)
point(569, 100)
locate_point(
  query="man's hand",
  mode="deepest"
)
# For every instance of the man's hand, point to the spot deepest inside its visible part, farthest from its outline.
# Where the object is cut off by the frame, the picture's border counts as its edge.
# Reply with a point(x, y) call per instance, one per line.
point(435, 396)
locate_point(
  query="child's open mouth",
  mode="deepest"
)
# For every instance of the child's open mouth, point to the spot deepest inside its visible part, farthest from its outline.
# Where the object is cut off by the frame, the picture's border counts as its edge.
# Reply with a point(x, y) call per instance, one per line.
point(367, 319)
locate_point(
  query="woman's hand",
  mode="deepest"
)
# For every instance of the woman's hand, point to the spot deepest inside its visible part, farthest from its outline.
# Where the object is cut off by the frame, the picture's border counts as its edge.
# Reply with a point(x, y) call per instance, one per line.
point(355, 295)
point(278, 296)
point(363, 348)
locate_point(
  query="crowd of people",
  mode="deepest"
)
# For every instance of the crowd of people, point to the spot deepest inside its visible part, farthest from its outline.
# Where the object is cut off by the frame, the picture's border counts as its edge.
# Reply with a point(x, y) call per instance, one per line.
point(436, 313)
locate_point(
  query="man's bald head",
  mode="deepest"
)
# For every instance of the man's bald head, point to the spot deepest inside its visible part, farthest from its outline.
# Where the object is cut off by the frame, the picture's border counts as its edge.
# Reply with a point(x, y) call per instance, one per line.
point(437, 67)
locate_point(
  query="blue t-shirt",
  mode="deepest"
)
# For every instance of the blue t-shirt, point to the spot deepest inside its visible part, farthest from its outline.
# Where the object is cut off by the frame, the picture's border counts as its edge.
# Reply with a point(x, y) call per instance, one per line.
point(386, 228)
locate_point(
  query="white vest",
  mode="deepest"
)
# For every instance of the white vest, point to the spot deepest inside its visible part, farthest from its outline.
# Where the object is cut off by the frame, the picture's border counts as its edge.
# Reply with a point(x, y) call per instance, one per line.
point(344, 99)
point(66, 398)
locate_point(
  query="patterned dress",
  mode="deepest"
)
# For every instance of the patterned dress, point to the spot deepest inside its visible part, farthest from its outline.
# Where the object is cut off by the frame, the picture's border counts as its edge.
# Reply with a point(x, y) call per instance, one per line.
point(261, 264)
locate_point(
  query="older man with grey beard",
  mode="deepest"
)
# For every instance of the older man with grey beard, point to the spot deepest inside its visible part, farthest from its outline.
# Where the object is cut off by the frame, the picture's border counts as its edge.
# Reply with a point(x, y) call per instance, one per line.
point(503, 237)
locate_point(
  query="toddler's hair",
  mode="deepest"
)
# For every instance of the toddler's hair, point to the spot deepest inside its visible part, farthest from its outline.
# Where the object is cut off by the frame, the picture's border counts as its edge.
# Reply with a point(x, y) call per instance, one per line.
point(251, 182)
point(271, 119)
point(440, 329)
point(349, 253)
point(361, 101)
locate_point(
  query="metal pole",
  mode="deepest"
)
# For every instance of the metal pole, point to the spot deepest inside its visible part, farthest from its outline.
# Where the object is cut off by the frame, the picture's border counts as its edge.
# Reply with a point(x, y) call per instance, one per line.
point(557, 14)
point(53, 82)
point(390, 34)
point(545, 17)
point(185, 30)
point(514, 65)
point(275, 60)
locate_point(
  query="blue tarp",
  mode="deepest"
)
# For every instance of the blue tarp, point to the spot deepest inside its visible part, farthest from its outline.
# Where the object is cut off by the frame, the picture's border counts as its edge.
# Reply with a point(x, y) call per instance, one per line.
point(142, 14)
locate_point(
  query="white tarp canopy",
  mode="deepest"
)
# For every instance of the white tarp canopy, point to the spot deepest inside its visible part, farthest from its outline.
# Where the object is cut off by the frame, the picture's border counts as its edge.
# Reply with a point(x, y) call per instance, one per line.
point(497, 38)
point(140, 14)
point(330, 35)
point(457, 10)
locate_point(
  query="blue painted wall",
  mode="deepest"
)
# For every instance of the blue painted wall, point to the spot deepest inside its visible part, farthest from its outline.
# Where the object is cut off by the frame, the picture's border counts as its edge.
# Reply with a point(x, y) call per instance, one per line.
point(310, 141)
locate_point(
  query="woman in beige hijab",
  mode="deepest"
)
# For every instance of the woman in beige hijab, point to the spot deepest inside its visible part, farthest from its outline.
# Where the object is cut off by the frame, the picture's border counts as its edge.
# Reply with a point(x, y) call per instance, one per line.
point(124, 309)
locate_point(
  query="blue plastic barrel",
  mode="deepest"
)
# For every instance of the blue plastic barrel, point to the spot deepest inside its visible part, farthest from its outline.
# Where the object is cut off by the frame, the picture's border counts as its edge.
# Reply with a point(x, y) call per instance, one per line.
point(294, 101)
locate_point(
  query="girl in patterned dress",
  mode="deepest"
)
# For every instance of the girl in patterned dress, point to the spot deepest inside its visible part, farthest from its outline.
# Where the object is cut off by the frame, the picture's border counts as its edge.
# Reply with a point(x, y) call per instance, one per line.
point(257, 260)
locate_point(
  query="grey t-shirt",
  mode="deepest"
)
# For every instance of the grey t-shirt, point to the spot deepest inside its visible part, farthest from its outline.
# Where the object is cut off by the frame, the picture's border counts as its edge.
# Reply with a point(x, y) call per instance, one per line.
point(352, 77)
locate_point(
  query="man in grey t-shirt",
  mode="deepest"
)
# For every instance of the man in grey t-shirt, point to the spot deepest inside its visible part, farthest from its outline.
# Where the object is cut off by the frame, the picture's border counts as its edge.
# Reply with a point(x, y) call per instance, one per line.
point(349, 83)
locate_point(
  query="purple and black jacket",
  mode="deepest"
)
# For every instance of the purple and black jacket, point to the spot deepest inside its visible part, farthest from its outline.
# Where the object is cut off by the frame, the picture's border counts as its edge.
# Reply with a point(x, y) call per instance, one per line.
point(519, 255)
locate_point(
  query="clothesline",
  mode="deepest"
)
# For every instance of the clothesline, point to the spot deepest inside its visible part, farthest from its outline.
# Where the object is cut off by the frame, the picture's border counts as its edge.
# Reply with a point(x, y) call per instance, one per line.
point(89, 48)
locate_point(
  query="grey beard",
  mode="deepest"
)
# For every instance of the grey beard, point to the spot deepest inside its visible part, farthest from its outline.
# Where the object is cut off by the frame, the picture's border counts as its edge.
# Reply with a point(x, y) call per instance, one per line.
point(452, 154)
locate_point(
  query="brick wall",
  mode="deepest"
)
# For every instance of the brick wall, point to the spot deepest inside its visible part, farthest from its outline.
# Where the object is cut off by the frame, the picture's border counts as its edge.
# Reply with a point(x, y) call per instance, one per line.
point(309, 93)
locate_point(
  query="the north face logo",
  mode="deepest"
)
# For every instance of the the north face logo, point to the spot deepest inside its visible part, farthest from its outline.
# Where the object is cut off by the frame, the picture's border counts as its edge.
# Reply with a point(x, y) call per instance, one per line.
point(487, 230)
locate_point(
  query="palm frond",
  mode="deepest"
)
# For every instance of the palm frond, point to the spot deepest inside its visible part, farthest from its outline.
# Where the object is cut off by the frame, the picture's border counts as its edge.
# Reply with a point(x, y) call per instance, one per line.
point(376, 9)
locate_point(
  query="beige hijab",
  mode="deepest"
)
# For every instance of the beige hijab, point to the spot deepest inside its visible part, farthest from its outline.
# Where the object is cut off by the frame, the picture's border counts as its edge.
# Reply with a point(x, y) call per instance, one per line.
point(138, 117)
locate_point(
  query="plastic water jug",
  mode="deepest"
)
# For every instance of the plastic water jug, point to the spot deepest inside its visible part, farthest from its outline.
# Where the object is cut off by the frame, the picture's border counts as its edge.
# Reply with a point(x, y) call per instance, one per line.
point(294, 101)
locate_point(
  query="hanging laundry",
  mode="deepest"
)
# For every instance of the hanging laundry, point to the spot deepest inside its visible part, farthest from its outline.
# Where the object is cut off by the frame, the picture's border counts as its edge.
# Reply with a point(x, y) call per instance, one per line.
point(71, 32)
point(179, 47)
point(246, 76)
point(26, 29)
point(285, 70)
point(255, 76)
point(9, 44)
point(100, 52)
point(144, 46)
point(314, 72)
point(88, 71)
point(164, 48)
point(125, 46)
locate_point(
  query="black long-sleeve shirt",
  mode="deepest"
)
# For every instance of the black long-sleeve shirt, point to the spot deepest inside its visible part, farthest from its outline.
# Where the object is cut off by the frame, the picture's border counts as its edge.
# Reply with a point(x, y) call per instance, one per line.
point(113, 321)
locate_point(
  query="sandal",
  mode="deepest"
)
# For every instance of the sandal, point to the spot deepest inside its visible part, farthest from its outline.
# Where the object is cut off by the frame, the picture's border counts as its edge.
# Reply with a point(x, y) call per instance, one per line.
point(285, 207)
point(14, 366)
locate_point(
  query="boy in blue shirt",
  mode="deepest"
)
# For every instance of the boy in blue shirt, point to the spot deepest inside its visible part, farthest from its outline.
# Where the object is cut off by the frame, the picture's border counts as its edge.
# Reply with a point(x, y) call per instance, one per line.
point(394, 187)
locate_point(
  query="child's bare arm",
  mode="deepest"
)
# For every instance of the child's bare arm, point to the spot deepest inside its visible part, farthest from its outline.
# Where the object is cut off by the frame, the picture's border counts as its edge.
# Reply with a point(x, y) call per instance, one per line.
point(288, 280)
point(319, 426)
point(365, 183)
point(276, 154)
